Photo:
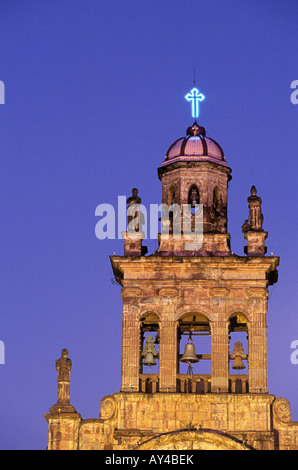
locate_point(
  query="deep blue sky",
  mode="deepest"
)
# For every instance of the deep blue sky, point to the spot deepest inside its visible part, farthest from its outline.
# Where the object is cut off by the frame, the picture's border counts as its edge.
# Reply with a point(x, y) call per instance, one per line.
point(94, 98)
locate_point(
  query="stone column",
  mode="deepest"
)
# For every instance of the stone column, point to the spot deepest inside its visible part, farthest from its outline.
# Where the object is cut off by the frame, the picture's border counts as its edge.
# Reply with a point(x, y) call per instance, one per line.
point(257, 344)
point(130, 348)
point(168, 341)
point(219, 356)
point(167, 356)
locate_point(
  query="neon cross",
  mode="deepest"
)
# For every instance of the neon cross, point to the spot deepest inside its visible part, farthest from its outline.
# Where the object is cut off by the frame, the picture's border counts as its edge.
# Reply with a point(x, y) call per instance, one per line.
point(194, 96)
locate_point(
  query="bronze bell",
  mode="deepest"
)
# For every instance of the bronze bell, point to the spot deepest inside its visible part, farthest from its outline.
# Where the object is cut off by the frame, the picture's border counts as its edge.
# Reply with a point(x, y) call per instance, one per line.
point(149, 360)
point(238, 354)
point(149, 352)
point(189, 352)
point(238, 364)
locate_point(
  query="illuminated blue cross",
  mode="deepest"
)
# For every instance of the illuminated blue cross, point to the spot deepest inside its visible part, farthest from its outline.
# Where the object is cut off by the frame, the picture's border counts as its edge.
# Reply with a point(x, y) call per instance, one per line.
point(194, 96)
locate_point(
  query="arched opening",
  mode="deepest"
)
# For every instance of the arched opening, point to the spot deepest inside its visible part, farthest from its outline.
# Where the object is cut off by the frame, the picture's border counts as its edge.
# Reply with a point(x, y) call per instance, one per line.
point(149, 353)
point(193, 198)
point(194, 353)
point(238, 353)
point(171, 200)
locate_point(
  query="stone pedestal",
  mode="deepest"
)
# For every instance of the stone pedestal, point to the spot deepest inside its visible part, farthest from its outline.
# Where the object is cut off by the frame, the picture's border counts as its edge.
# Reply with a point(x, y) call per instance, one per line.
point(255, 243)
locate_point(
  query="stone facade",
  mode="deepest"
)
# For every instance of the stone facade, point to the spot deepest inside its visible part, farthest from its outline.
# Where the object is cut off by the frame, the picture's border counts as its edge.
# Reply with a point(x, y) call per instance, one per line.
point(189, 290)
point(165, 421)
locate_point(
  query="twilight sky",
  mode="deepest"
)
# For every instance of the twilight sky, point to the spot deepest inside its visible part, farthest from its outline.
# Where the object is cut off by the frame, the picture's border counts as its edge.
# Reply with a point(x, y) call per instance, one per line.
point(94, 96)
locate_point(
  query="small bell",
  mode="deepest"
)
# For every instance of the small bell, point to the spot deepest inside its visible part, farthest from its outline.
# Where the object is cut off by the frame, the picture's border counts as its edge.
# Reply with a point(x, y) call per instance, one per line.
point(149, 352)
point(189, 352)
point(149, 360)
point(238, 354)
point(238, 364)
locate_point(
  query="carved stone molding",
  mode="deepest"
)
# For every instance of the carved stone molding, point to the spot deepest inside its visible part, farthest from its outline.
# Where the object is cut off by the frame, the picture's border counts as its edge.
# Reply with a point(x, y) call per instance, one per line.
point(257, 292)
point(219, 292)
point(168, 292)
point(131, 292)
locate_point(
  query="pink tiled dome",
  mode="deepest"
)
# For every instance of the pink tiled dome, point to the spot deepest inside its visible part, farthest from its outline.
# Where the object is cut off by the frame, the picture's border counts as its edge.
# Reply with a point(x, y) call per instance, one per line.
point(195, 147)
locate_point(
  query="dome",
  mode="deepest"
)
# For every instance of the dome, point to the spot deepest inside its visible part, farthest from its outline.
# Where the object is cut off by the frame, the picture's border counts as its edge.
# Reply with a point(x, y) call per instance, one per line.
point(195, 147)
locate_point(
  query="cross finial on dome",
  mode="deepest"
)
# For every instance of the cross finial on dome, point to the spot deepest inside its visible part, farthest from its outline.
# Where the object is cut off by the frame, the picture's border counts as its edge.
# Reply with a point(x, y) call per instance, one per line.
point(195, 97)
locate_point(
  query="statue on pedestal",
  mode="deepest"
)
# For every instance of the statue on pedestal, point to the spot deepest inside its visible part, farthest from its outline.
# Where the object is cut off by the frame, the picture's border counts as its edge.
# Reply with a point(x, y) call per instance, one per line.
point(63, 366)
point(134, 216)
point(255, 218)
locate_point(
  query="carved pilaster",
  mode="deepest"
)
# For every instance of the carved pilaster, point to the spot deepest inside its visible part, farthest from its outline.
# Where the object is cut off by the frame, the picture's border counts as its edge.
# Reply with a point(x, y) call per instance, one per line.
point(130, 350)
point(168, 340)
point(219, 356)
point(257, 342)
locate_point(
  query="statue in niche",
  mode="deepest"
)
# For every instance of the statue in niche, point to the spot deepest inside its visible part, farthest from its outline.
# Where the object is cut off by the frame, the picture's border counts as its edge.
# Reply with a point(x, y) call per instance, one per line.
point(194, 197)
point(170, 223)
point(255, 219)
point(132, 211)
point(63, 366)
point(217, 201)
point(219, 212)
point(193, 201)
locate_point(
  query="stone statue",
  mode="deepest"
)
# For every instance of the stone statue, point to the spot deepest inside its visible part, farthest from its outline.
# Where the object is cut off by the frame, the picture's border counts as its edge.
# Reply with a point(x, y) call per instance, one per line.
point(134, 199)
point(132, 211)
point(217, 201)
point(63, 366)
point(218, 212)
point(194, 197)
point(255, 213)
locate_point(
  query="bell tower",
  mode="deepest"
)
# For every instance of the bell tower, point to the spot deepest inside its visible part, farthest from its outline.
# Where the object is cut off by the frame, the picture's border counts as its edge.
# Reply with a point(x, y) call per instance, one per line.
point(188, 294)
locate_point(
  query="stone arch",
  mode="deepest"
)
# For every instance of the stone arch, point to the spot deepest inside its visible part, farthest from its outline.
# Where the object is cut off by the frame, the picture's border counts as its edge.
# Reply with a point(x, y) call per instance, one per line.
point(201, 439)
point(189, 309)
point(148, 310)
point(187, 186)
point(237, 309)
point(242, 316)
